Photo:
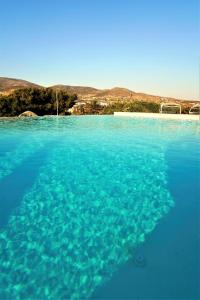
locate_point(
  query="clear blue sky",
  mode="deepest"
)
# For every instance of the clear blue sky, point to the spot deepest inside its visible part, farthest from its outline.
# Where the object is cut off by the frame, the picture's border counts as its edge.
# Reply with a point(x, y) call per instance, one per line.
point(145, 45)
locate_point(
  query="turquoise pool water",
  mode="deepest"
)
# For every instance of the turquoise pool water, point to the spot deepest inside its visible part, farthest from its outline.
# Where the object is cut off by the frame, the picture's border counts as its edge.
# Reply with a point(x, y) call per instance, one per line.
point(99, 207)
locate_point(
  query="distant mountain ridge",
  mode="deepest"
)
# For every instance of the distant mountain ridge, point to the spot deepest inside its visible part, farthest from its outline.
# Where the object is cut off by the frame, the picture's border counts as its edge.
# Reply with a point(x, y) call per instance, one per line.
point(117, 93)
point(10, 84)
point(7, 85)
point(79, 90)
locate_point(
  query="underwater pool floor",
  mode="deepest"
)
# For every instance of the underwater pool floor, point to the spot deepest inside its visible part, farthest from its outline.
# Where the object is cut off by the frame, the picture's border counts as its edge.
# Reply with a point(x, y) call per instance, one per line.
point(87, 194)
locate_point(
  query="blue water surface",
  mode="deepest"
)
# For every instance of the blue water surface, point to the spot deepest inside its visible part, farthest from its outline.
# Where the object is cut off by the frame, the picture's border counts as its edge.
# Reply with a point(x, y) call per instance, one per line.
point(99, 207)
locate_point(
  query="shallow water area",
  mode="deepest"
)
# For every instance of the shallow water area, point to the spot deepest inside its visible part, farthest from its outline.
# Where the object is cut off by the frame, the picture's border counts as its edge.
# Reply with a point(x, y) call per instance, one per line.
point(86, 201)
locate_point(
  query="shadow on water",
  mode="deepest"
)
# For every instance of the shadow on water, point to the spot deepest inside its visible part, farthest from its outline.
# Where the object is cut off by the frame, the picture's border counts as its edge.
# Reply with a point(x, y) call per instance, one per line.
point(14, 186)
point(167, 265)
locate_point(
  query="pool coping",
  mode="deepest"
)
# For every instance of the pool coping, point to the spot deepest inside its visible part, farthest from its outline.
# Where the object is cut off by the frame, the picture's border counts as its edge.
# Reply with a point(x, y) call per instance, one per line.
point(182, 117)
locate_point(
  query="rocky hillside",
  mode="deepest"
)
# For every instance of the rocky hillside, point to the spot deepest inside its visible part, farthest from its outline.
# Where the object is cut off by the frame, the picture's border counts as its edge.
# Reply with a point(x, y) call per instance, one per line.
point(109, 95)
point(88, 94)
point(7, 85)
point(78, 90)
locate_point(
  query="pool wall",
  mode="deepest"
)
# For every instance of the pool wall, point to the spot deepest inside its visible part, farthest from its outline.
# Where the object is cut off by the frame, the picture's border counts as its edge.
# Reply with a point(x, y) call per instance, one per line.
point(158, 116)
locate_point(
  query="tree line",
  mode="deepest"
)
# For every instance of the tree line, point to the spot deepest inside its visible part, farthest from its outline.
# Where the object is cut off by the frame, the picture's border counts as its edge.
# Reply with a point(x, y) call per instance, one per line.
point(41, 101)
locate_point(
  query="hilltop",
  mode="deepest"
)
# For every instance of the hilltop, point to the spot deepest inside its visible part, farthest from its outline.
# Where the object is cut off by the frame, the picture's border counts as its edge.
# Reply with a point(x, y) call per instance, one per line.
point(8, 85)
point(79, 90)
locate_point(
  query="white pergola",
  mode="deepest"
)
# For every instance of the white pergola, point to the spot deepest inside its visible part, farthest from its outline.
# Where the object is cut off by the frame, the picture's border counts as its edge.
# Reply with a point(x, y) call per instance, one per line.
point(169, 106)
point(195, 110)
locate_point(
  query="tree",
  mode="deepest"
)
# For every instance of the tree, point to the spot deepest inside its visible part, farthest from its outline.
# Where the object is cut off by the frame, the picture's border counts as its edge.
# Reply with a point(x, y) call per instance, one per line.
point(39, 100)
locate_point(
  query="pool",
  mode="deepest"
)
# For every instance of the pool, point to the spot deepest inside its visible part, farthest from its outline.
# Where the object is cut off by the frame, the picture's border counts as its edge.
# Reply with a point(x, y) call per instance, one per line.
point(99, 207)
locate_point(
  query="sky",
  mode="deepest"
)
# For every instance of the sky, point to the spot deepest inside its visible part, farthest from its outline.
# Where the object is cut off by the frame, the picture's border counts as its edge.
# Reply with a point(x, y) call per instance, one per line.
point(145, 45)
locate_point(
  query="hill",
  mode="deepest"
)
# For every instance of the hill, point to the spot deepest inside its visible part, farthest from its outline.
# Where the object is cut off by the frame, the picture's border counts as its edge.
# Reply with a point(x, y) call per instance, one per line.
point(114, 94)
point(7, 85)
point(79, 90)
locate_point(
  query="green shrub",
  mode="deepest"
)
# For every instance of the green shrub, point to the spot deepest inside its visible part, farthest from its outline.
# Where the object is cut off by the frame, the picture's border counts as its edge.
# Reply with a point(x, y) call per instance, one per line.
point(133, 106)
